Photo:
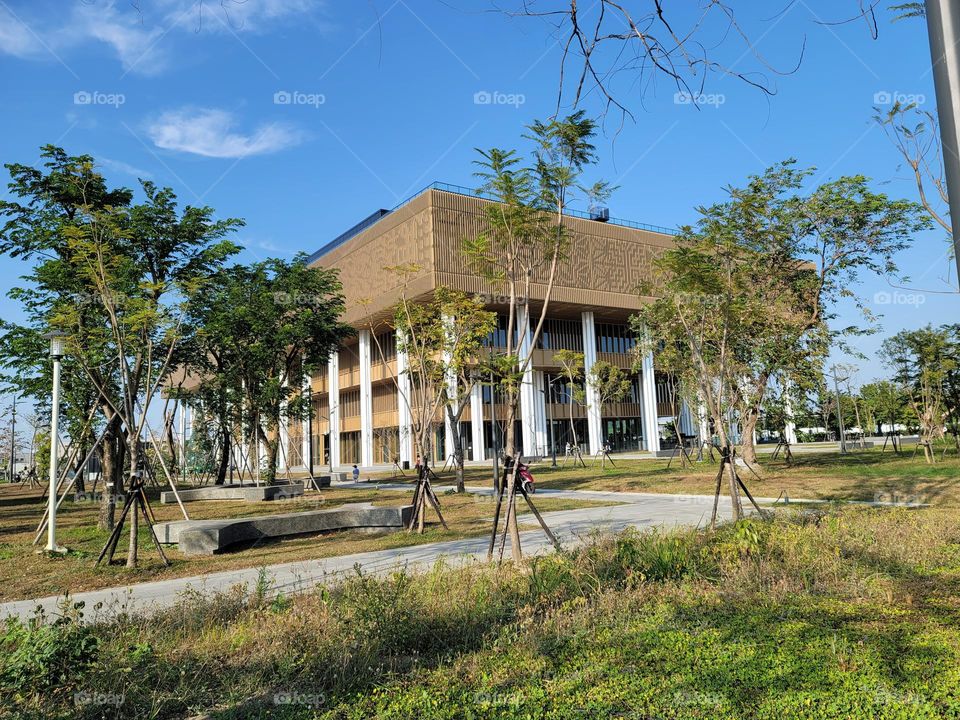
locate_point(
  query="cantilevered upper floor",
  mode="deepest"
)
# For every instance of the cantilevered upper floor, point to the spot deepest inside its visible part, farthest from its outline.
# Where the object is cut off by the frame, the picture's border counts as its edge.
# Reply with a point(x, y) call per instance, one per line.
point(607, 260)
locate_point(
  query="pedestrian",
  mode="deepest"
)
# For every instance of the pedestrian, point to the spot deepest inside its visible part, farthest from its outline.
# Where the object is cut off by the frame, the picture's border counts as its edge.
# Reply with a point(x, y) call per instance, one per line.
point(356, 473)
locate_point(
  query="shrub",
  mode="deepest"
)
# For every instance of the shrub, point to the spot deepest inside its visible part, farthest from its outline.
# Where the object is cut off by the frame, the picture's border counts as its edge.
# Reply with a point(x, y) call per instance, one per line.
point(39, 657)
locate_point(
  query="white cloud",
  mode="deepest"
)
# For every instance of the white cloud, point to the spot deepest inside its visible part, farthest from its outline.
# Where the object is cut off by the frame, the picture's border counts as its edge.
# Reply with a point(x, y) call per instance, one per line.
point(140, 38)
point(209, 132)
point(15, 37)
point(136, 45)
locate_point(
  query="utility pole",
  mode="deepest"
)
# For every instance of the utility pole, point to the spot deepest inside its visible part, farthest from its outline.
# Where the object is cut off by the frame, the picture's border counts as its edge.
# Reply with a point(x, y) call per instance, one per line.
point(943, 28)
point(843, 434)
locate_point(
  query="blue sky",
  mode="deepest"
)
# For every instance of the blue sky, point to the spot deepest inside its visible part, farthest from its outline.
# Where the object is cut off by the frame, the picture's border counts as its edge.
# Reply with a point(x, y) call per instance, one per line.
point(303, 116)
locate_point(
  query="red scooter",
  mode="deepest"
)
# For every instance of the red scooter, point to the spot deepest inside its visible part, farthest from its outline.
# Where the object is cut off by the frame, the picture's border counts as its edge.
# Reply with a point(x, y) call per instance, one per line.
point(524, 477)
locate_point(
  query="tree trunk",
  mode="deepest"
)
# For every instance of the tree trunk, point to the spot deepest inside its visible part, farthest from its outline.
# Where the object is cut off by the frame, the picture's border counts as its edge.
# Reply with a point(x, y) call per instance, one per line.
point(109, 459)
point(224, 463)
point(134, 515)
point(79, 486)
point(273, 447)
point(511, 450)
point(749, 424)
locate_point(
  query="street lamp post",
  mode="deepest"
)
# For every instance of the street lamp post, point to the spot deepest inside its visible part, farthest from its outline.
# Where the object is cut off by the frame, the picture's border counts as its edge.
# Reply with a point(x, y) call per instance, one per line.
point(493, 435)
point(943, 27)
point(843, 436)
point(310, 429)
point(13, 435)
point(57, 346)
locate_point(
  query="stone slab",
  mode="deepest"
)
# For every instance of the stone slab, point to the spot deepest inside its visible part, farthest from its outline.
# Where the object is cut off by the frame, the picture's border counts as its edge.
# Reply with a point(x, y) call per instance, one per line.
point(247, 493)
point(208, 537)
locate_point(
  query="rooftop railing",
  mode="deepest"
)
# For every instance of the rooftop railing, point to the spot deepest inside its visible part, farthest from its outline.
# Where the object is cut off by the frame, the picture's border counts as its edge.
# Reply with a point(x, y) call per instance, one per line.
point(469, 192)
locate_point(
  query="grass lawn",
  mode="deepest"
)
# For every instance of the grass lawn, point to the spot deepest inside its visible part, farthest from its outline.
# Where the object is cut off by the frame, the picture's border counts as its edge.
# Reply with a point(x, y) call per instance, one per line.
point(835, 612)
point(26, 574)
point(861, 475)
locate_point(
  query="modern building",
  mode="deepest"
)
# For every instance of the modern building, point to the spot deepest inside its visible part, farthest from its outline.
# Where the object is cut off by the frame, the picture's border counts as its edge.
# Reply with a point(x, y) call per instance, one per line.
point(359, 415)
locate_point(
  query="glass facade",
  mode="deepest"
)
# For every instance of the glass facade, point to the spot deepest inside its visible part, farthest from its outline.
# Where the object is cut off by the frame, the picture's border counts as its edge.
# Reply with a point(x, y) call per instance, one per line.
point(613, 338)
point(561, 335)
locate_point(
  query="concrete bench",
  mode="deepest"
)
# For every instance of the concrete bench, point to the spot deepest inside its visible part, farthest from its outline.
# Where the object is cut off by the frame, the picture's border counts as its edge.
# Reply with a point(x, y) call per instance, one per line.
point(208, 537)
point(247, 493)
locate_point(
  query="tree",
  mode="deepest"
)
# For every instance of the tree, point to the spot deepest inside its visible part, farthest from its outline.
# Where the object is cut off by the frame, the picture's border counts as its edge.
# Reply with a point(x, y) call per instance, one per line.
point(441, 338)
point(884, 404)
point(112, 274)
point(261, 329)
point(571, 370)
point(524, 242)
point(610, 384)
point(787, 258)
point(46, 201)
point(636, 44)
point(921, 360)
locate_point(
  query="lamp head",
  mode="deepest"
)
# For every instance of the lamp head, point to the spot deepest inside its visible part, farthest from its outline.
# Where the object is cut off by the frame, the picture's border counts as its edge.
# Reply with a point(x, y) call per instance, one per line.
point(58, 343)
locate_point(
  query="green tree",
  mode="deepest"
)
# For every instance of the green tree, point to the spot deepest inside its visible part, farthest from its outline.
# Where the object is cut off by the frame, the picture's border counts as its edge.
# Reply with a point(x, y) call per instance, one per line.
point(922, 361)
point(260, 331)
point(442, 338)
point(112, 274)
point(524, 242)
point(571, 370)
point(773, 261)
point(610, 384)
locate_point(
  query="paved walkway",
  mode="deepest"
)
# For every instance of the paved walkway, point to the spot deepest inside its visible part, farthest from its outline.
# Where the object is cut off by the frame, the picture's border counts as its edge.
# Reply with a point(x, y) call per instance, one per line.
point(642, 510)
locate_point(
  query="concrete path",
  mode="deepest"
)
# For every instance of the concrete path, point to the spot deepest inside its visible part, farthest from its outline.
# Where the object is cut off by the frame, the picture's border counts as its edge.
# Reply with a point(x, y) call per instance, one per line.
point(642, 510)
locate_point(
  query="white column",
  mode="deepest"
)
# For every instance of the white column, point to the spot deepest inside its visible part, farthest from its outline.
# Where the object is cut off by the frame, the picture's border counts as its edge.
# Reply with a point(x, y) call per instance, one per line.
point(283, 431)
point(540, 411)
point(790, 427)
point(648, 382)
point(452, 392)
point(703, 421)
point(594, 419)
point(476, 421)
point(403, 404)
point(305, 438)
point(686, 419)
point(366, 402)
point(333, 386)
point(528, 391)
